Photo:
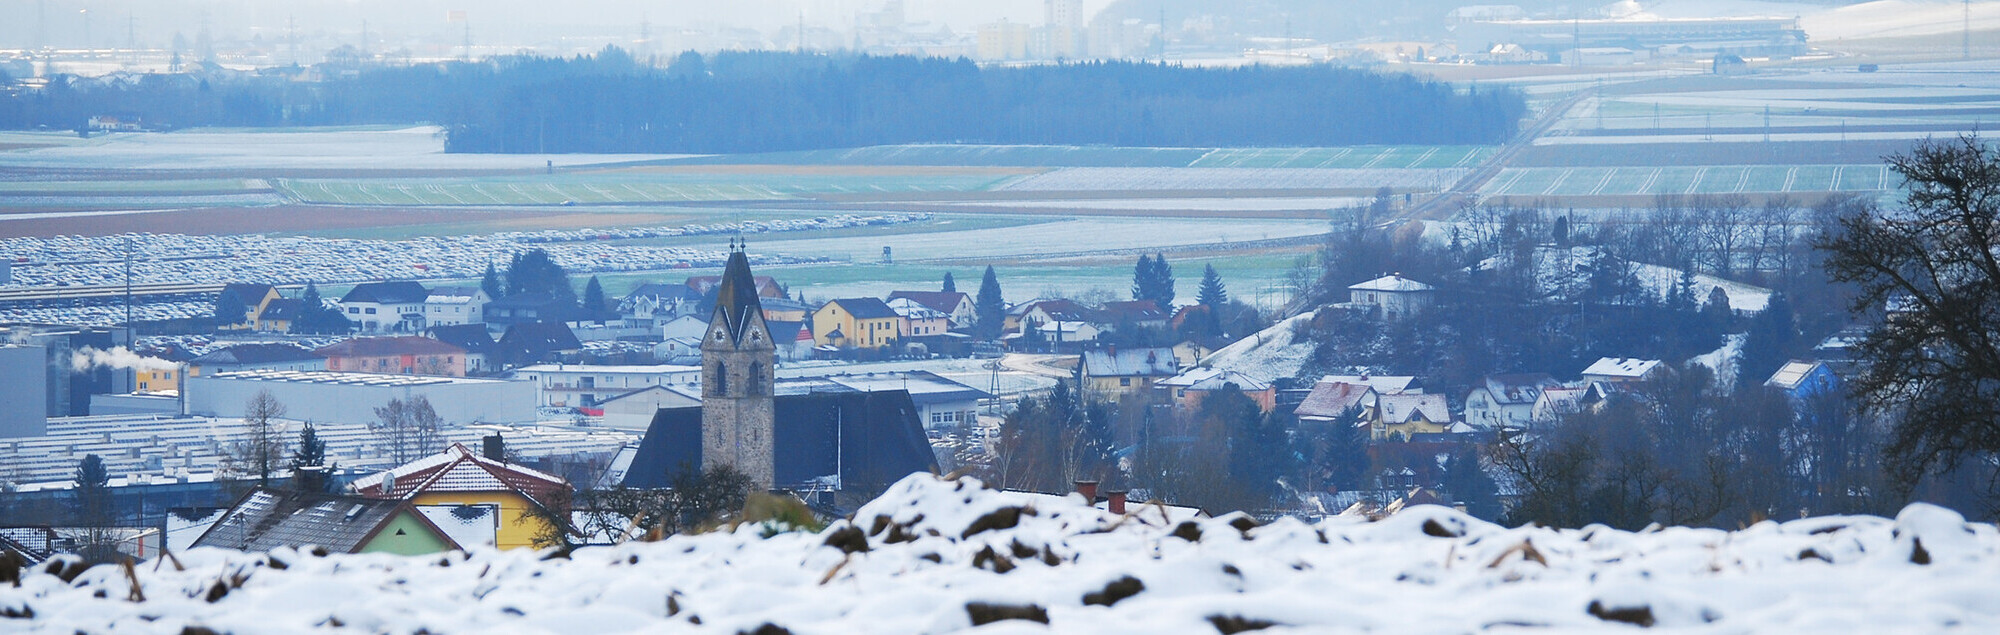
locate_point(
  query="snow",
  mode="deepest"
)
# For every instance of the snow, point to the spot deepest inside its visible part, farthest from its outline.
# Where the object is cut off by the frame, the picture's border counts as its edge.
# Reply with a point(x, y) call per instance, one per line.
point(1268, 355)
point(1743, 298)
point(929, 554)
point(420, 147)
point(1723, 361)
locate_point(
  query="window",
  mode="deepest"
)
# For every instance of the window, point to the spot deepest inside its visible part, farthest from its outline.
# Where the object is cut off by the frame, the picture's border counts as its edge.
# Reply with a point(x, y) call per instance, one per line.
point(721, 379)
point(354, 310)
point(756, 380)
point(371, 310)
point(1124, 381)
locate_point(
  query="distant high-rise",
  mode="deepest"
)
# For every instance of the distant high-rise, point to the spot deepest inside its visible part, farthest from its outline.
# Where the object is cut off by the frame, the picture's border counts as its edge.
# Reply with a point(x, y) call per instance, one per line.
point(1063, 13)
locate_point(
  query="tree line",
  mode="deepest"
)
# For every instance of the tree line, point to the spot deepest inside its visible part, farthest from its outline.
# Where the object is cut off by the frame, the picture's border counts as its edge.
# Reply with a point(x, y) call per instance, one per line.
point(734, 102)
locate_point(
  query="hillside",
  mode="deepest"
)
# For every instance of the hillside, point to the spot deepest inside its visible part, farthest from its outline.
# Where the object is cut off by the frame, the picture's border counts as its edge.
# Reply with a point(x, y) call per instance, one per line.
point(938, 556)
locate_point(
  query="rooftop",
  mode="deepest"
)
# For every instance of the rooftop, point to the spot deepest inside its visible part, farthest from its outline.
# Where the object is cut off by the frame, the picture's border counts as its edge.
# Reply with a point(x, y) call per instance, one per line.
point(343, 378)
point(1631, 367)
point(1392, 282)
point(385, 346)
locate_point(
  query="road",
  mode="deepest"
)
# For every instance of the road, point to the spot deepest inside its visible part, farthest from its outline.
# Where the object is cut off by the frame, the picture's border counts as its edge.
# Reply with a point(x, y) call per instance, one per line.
point(1445, 203)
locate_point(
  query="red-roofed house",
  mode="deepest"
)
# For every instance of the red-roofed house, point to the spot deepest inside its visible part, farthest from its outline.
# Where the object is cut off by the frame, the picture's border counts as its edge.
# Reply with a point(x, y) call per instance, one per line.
point(405, 355)
point(466, 493)
point(957, 306)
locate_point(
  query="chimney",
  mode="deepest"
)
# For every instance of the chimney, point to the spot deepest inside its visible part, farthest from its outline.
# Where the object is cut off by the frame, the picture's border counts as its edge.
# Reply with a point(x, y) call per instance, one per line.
point(1088, 489)
point(495, 448)
point(1112, 350)
point(1117, 502)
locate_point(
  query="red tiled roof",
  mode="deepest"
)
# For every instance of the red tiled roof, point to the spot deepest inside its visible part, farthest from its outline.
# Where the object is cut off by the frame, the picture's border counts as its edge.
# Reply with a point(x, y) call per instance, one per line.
point(385, 346)
point(458, 469)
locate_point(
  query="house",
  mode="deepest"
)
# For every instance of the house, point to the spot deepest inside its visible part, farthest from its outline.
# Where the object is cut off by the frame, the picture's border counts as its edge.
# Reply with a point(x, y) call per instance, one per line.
point(940, 402)
point(856, 323)
point(687, 326)
point(1048, 312)
point(266, 519)
point(633, 411)
point(1333, 401)
point(785, 310)
point(405, 355)
point(1383, 384)
point(474, 338)
point(449, 306)
point(1728, 64)
point(509, 501)
point(160, 378)
point(801, 345)
point(1622, 369)
point(653, 303)
point(1131, 371)
point(255, 357)
point(766, 286)
point(254, 297)
point(585, 385)
point(956, 306)
point(1190, 352)
point(1562, 401)
point(1804, 379)
point(1406, 415)
point(1392, 297)
point(1506, 401)
point(535, 342)
point(526, 308)
point(1136, 313)
point(1067, 332)
point(918, 320)
point(1190, 388)
point(378, 307)
point(277, 315)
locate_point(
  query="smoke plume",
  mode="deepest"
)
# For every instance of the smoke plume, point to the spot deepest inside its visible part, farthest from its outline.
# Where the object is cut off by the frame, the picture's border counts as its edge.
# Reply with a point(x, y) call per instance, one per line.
point(117, 357)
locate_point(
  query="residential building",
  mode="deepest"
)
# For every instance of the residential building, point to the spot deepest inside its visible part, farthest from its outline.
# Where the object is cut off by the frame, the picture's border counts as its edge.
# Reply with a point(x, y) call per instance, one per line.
point(956, 306)
point(386, 307)
point(856, 323)
point(800, 346)
point(160, 377)
point(686, 326)
point(1190, 388)
point(918, 320)
point(1803, 379)
point(1189, 353)
point(1392, 297)
point(1623, 369)
point(1067, 332)
point(579, 385)
point(1332, 402)
point(405, 354)
point(785, 310)
point(1382, 384)
point(1405, 415)
point(654, 303)
point(277, 315)
point(512, 499)
point(1132, 371)
point(447, 306)
point(526, 308)
point(268, 519)
point(1558, 402)
point(1136, 313)
point(535, 342)
point(474, 338)
point(338, 397)
point(940, 402)
point(1048, 312)
point(1506, 401)
point(766, 286)
point(254, 297)
point(255, 357)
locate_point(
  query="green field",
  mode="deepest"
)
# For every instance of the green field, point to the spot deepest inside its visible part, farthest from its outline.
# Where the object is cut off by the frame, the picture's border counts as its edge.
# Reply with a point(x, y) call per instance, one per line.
point(618, 188)
point(131, 188)
point(1720, 179)
point(1092, 156)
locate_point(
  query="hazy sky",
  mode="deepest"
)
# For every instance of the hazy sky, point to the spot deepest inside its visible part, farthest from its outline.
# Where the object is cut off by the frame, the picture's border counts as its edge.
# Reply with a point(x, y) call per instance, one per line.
point(66, 23)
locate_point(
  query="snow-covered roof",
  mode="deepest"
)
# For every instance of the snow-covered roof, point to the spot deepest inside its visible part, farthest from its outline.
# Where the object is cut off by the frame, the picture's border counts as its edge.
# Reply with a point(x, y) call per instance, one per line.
point(1385, 384)
point(1621, 367)
point(457, 469)
point(1130, 362)
point(1518, 388)
point(1392, 282)
point(1330, 399)
point(1793, 374)
point(1405, 408)
point(1214, 379)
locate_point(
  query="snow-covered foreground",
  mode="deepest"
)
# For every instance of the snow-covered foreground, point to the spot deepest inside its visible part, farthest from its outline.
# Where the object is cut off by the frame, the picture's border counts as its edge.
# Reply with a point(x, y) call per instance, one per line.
point(936, 556)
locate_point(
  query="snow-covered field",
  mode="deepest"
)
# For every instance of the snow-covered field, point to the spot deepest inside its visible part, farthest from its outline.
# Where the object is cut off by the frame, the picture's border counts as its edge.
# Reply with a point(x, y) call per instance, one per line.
point(328, 148)
point(934, 556)
point(1121, 179)
point(1207, 204)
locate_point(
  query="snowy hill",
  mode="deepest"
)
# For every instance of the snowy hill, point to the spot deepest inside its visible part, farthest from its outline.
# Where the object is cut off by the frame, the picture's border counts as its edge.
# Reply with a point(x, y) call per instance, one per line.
point(936, 556)
point(1269, 354)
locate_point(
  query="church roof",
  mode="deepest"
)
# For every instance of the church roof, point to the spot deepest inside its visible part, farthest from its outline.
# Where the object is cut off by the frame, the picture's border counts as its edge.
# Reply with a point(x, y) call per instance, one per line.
point(736, 301)
point(866, 437)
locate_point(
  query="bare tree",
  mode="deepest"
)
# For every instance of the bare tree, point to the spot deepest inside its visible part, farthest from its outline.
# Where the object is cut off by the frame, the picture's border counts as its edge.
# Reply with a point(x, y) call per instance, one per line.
point(262, 449)
point(407, 430)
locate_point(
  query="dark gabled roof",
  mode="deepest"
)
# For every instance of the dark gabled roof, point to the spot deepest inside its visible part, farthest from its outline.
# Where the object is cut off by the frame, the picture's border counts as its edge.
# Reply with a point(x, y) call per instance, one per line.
point(384, 346)
point(874, 438)
point(251, 293)
point(471, 337)
point(399, 292)
point(283, 309)
point(538, 337)
point(866, 308)
point(736, 302)
point(664, 291)
point(1519, 388)
point(523, 301)
point(1134, 311)
point(941, 301)
point(255, 354)
point(264, 520)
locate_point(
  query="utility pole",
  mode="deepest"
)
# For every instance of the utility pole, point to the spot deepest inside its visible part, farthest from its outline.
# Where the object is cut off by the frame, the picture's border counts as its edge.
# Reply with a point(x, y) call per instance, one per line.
point(128, 288)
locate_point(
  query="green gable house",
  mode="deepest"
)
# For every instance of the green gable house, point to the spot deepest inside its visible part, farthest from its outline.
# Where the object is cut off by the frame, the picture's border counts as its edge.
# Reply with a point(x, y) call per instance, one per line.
point(267, 519)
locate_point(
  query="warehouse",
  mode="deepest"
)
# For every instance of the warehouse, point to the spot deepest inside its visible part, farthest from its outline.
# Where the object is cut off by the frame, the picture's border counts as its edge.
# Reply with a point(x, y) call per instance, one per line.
point(353, 397)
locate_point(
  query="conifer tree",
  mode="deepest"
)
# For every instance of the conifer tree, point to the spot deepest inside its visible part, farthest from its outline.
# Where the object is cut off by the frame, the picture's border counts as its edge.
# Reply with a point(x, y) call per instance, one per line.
point(991, 309)
point(950, 286)
point(490, 283)
point(594, 304)
point(1212, 292)
point(229, 308)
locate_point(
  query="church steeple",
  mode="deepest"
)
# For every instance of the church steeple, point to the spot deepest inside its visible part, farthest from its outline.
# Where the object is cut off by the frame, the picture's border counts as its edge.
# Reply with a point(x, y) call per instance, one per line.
point(737, 358)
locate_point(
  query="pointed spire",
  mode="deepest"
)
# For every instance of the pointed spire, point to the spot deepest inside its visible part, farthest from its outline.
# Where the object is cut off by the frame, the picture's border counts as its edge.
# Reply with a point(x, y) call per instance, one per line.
point(736, 300)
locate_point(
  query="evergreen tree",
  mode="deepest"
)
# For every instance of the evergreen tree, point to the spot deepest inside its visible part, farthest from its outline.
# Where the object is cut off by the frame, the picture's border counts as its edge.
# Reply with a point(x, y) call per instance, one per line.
point(229, 308)
point(311, 310)
point(490, 283)
point(309, 462)
point(950, 286)
point(533, 271)
point(594, 305)
point(1769, 343)
point(1142, 278)
point(93, 491)
point(1716, 312)
point(1153, 279)
point(990, 308)
point(1212, 294)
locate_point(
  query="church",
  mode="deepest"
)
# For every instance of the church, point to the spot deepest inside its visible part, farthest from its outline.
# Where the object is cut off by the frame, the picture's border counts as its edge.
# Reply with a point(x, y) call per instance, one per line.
point(817, 440)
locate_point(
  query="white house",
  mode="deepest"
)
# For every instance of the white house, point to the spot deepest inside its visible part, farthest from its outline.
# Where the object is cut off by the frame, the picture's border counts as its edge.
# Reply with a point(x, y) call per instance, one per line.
point(686, 326)
point(633, 411)
point(1623, 369)
point(1506, 401)
point(1393, 296)
point(446, 306)
point(386, 307)
point(581, 385)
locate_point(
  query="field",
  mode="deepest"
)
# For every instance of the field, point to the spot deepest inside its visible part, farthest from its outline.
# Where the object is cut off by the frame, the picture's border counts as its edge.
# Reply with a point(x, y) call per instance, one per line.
point(1360, 157)
point(615, 189)
point(1720, 179)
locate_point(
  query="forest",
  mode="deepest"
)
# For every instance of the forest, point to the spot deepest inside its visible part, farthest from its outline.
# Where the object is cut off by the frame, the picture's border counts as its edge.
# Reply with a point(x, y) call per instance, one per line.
point(737, 102)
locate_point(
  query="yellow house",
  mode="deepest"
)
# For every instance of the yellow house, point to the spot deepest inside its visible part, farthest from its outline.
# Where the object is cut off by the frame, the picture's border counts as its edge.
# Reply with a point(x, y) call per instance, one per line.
point(157, 380)
point(475, 499)
point(855, 323)
point(255, 297)
point(1404, 415)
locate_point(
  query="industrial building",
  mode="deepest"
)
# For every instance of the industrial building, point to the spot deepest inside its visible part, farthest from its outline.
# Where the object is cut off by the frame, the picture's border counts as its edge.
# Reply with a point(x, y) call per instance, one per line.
point(24, 390)
point(353, 397)
point(585, 386)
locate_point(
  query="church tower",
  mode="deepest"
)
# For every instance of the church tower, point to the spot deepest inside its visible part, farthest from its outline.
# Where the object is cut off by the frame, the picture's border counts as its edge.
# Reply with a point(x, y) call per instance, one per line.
point(737, 414)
